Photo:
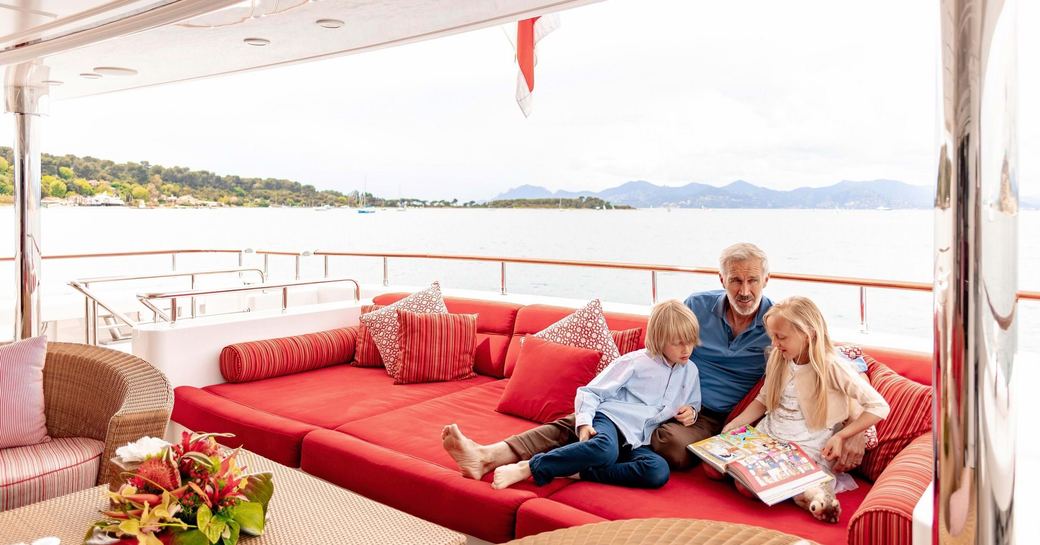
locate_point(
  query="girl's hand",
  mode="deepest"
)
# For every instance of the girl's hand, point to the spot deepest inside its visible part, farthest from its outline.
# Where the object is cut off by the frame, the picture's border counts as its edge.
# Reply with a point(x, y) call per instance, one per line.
point(586, 432)
point(731, 426)
point(832, 450)
point(686, 415)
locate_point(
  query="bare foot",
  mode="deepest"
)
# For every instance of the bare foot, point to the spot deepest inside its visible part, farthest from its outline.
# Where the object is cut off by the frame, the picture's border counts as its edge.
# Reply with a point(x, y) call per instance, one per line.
point(822, 504)
point(473, 458)
point(510, 474)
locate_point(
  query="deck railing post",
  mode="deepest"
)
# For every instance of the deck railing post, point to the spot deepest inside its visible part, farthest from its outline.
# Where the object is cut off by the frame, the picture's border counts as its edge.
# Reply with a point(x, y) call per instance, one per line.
point(193, 297)
point(653, 287)
point(285, 298)
point(386, 271)
point(326, 266)
point(267, 262)
point(297, 267)
point(173, 261)
point(502, 282)
point(863, 309)
point(173, 310)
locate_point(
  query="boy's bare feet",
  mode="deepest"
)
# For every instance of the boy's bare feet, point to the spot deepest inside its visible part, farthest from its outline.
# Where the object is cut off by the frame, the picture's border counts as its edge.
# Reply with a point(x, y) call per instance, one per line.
point(510, 474)
point(822, 503)
point(474, 459)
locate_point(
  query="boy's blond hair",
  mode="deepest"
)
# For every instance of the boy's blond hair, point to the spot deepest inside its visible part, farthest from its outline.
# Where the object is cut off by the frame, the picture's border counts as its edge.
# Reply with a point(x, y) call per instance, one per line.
point(671, 321)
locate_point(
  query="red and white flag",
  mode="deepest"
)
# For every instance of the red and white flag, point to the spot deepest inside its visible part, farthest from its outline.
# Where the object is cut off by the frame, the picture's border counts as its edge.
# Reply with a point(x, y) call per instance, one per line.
point(528, 33)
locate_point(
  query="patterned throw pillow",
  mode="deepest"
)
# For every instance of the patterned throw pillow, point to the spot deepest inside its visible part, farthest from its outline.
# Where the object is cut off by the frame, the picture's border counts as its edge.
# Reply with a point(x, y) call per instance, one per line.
point(22, 418)
point(585, 328)
point(628, 340)
point(382, 324)
point(367, 353)
point(435, 347)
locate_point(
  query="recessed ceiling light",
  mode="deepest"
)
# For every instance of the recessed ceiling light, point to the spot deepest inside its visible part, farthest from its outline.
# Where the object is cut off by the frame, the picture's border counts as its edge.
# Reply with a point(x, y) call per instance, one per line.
point(114, 71)
point(90, 75)
point(257, 41)
point(329, 23)
point(52, 82)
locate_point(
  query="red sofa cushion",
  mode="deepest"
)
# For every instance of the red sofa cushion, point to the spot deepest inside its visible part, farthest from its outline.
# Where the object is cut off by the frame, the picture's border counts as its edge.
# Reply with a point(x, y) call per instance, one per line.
point(887, 513)
point(911, 416)
point(334, 395)
point(534, 318)
point(690, 494)
point(545, 515)
point(274, 437)
point(255, 360)
point(416, 429)
point(916, 366)
point(545, 380)
point(437, 494)
point(435, 347)
point(494, 328)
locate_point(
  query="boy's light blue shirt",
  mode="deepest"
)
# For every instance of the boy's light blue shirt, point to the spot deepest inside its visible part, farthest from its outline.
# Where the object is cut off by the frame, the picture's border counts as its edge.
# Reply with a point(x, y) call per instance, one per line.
point(638, 392)
point(728, 366)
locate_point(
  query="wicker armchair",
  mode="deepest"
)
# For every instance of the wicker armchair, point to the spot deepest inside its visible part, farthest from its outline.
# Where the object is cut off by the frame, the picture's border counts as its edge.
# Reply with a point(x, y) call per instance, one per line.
point(105, 395)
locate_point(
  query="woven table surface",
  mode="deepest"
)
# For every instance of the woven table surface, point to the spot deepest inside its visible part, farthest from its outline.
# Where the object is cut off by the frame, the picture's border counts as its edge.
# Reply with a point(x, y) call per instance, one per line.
point(303, 510)
point(663, 532)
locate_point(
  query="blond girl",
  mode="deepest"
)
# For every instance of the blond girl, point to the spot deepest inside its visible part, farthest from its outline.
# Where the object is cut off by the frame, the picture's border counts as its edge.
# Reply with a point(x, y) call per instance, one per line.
point(808, 396)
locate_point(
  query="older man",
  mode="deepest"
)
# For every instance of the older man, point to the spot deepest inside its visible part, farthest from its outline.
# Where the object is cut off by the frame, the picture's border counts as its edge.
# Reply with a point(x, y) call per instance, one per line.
point(731, 359)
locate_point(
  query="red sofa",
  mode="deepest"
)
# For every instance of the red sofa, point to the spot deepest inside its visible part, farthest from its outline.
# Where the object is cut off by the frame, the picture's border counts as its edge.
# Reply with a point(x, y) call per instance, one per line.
point(352, 426)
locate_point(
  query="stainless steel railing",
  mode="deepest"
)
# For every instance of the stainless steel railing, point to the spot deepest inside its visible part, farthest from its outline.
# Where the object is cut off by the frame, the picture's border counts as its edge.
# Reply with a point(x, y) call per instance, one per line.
point(147, 298)
point(90, 314)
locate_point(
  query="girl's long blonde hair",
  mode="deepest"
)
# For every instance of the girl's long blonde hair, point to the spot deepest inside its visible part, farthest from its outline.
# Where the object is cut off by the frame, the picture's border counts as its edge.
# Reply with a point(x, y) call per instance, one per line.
point(805, 317)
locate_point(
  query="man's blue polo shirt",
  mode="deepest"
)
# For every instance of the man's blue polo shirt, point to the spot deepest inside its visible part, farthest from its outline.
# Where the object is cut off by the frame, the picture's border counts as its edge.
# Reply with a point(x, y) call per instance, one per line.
point(728, 366)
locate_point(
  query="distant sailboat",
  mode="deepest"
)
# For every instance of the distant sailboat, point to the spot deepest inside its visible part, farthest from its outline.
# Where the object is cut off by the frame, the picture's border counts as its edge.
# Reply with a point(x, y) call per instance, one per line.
point(362, 207)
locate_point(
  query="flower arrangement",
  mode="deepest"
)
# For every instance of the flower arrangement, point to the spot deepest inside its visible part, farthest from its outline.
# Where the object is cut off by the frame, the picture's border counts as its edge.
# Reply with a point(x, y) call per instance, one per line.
point(190, 493)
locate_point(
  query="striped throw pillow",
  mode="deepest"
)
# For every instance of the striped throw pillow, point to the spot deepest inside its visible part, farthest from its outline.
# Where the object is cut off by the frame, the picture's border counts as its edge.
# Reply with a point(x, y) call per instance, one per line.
point(255, 360)
point(435, 347)
point(628, 340)
point(22, 418)
point(910, 418)
point(382, 323)
point(886, 514)
point(367, 353)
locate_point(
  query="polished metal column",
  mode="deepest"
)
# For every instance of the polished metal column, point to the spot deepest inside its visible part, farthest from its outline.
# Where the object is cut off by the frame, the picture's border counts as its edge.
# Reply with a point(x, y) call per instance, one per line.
point(23, 99)
point(976, 266)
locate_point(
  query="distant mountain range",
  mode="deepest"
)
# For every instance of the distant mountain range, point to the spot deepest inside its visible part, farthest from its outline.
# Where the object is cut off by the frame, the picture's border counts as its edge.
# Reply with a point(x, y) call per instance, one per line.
point(871, 194)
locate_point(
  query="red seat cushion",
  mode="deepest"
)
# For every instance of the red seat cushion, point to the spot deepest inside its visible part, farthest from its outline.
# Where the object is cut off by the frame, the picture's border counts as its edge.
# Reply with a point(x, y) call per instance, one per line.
point(254, 360)
point(545, 380)
point(332, 396)
point(435, 347)
point(690, 494)
point(911, 416)
point(545, 515)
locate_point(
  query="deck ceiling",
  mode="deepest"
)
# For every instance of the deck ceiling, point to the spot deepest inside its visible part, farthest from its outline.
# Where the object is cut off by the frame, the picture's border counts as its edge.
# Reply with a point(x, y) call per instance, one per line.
point(53, 43)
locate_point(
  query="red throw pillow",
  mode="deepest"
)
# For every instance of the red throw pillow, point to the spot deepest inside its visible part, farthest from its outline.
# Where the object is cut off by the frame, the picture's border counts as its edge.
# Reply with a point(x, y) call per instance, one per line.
point(545, 379)
point(435, 347)
point(22, 418)
point(628, 340)
point(911, 416)
point(383, 323)
point(367, 353)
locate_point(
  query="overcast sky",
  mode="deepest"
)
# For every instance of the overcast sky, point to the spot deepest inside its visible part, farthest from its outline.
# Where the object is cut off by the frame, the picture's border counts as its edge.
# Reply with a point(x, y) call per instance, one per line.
point(781, 94)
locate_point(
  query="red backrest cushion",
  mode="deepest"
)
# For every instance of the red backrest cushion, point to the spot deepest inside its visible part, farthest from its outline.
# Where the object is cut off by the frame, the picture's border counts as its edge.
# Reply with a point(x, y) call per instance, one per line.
point(911, 416)
point(534, 318)
point(494, 328)
point(886, 514)
point(255, 360)
point(629, 340)
point(435, 347)
point(367, 353)
point(916, 366)
point(545, 380)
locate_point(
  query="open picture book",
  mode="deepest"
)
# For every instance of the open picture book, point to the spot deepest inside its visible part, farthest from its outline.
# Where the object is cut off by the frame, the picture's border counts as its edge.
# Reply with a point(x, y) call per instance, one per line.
point(772, 469)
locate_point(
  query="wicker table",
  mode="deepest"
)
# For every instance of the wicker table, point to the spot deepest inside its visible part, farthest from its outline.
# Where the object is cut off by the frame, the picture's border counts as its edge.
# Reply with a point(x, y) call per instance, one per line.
point(303, 510)
point(663, 532)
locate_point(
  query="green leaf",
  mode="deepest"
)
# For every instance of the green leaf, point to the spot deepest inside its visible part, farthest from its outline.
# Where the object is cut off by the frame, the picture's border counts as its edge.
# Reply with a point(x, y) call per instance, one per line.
point(231, 537)
point(190, 537)
point(202, 517)
point(259, 488)
point(214, 529)
point(250, 516)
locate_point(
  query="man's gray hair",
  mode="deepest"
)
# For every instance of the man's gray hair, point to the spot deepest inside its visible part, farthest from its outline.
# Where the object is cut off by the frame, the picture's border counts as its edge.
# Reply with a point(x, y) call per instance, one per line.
point(740, 252)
